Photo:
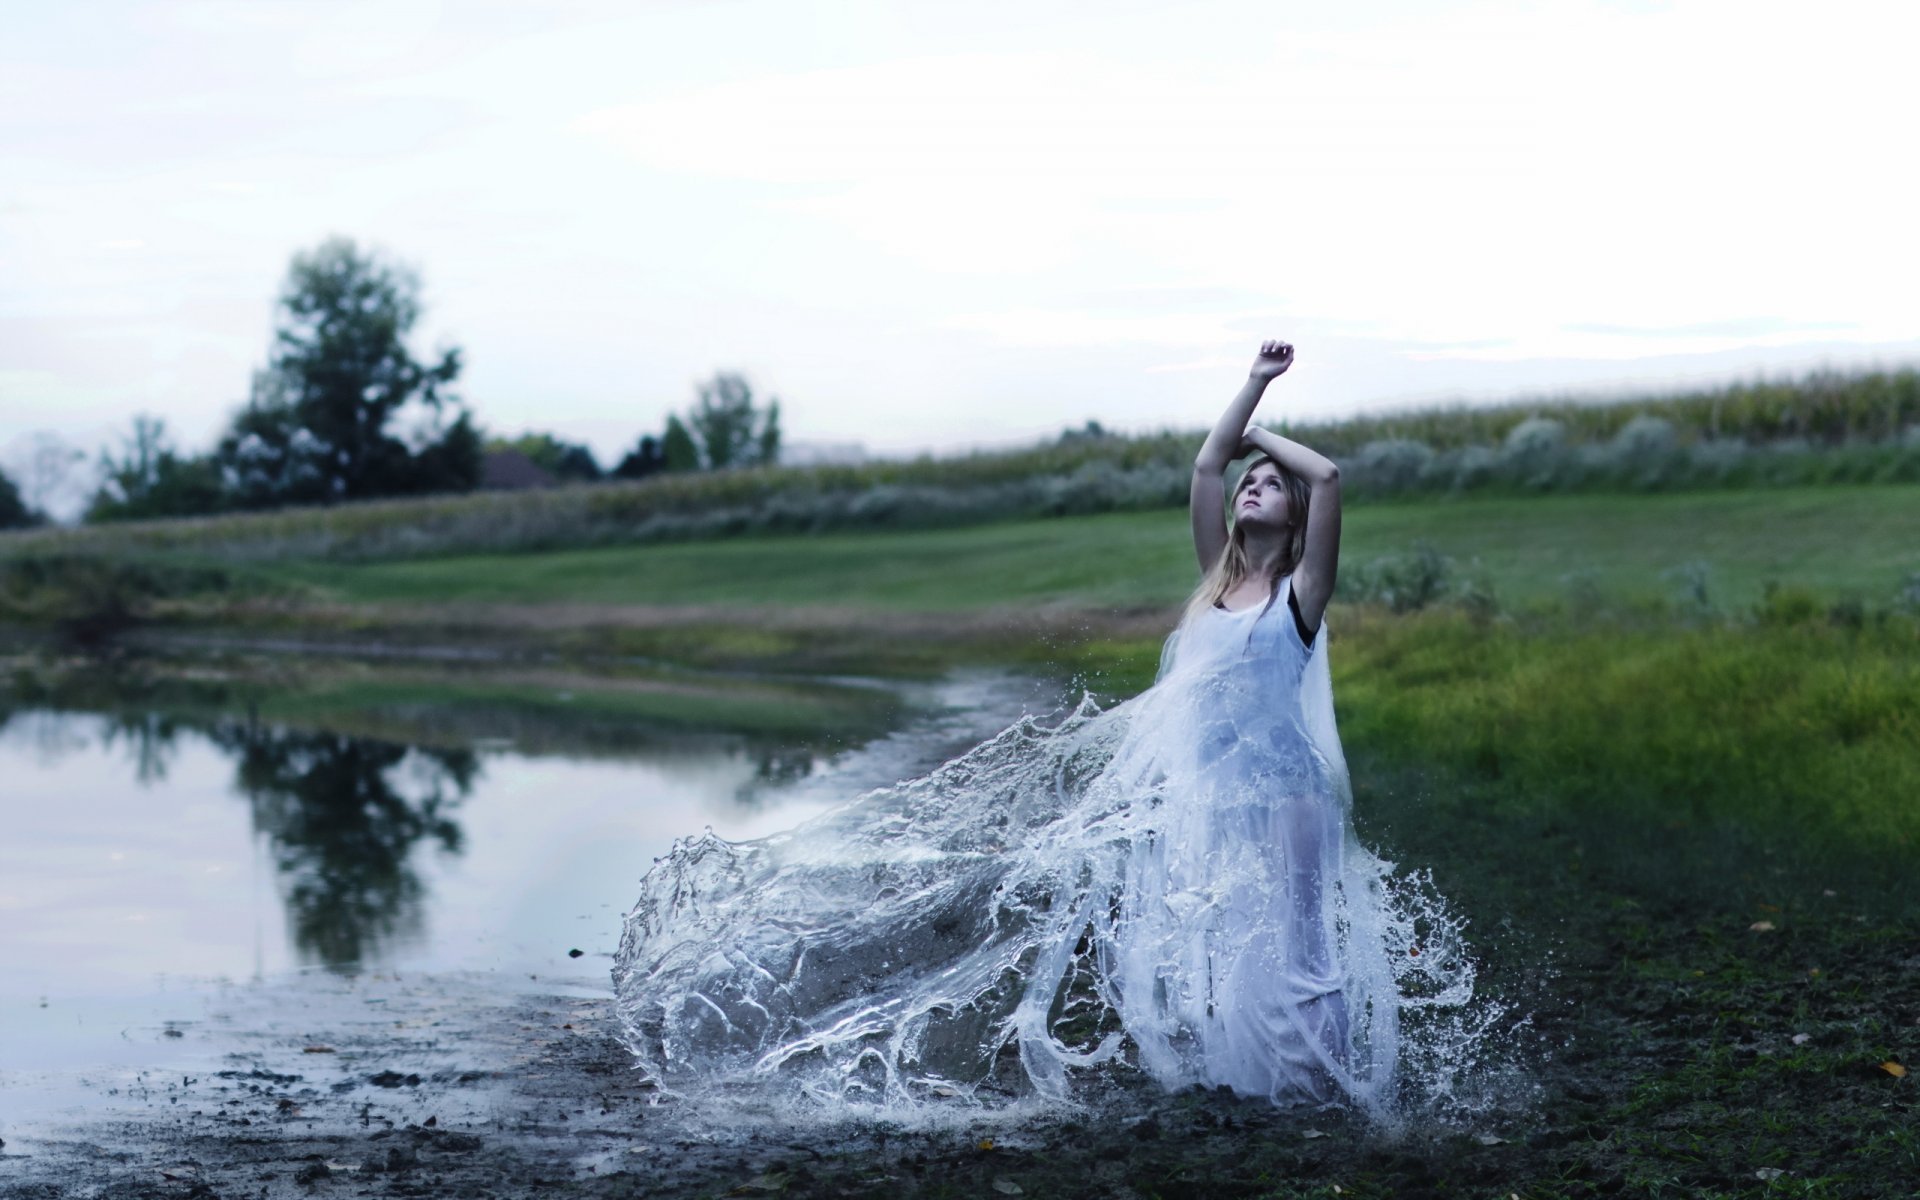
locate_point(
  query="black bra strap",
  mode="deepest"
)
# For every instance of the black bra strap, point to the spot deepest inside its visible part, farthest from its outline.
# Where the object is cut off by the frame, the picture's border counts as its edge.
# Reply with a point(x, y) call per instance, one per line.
point(1299, 622)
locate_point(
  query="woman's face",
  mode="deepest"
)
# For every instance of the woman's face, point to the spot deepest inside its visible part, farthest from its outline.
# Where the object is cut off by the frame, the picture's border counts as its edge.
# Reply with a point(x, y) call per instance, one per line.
point(1261, 498)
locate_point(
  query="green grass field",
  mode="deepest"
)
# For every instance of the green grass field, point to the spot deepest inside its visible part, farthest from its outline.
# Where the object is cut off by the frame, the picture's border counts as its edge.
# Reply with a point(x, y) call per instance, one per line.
point(1838, 542)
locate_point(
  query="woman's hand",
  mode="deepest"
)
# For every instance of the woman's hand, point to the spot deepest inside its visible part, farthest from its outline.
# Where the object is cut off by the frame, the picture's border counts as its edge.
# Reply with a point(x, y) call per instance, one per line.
point(1275, 357)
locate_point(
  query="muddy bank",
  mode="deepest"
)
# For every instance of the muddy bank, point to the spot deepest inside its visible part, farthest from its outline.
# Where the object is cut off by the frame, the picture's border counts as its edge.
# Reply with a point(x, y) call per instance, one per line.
point(438, 1087)
point(1724, 1080)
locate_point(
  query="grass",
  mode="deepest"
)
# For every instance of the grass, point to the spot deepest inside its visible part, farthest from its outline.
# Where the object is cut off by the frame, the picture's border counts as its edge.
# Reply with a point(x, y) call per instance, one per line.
point(1836, 542)
point(610, 709)
point(1824, 429)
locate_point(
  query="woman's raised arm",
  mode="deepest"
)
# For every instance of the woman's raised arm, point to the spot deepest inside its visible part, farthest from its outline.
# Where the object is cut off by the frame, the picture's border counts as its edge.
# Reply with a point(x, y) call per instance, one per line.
point(1319, 562)
point(1207, 495)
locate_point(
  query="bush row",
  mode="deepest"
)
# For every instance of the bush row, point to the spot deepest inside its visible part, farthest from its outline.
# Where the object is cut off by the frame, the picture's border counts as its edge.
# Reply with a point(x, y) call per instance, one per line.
point(1690, 442)
point(1646, 453)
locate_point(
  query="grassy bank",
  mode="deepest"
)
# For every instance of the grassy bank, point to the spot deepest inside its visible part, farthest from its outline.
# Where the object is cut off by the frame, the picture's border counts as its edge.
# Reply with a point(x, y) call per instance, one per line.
point(1860, 542)
point(1688, 851)
point(610, 709)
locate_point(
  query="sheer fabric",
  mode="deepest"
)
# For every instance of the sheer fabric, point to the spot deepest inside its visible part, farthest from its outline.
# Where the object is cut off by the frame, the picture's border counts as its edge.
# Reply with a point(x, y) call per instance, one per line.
point(1172, 883)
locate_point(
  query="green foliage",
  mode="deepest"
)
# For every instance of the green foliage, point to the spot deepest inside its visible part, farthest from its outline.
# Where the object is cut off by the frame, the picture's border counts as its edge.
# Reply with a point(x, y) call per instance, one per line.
point(150, 479)
point(1404, 582)
point(729, 428)
point(1078, 475)
point(1804, 732)
point(646, 458)
point(14, 513)
point(92, 598)
point(319, 425)
point(558, 458)
point(678, 450)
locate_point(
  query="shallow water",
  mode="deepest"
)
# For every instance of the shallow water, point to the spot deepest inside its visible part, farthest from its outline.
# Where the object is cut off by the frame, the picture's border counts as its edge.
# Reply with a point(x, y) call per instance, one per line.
point(153, 868)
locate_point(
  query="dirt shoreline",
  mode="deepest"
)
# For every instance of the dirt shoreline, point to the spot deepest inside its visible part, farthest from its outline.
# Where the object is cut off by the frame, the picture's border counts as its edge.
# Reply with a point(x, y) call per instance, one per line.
point(429, 1087)
point(464, 1086)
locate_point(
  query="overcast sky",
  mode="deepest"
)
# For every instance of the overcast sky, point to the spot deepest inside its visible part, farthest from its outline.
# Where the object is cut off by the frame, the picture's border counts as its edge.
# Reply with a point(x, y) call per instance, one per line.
point(945, 224)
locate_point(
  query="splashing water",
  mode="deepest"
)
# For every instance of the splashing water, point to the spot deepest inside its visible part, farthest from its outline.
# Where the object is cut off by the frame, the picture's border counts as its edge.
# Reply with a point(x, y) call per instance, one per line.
point(1171, 886)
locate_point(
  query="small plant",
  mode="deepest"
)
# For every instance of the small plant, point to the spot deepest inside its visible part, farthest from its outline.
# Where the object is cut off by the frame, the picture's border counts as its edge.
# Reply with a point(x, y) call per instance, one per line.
point(1907, 599)
point(1692, 594)
point(1788, 605)
point(1403, 582)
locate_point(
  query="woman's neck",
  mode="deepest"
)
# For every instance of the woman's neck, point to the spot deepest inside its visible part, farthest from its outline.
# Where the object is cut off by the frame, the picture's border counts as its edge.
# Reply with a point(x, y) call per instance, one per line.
point(1264, 555)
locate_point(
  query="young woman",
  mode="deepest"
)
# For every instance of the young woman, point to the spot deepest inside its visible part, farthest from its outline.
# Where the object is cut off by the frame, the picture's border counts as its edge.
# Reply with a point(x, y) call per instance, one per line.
point(1172, 883)
point(1229, 966)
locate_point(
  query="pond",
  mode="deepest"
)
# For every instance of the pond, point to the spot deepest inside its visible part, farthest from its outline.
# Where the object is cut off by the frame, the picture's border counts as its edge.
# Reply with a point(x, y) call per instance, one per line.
point(156, 859)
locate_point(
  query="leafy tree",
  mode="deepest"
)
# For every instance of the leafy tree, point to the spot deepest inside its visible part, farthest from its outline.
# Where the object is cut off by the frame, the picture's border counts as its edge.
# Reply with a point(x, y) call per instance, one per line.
point(646, 459)
point(562, 460)
point(150, 479)
point(730, 429)
point(1092, 431)
point(450, 462)
point(13, 510)
point(678, 450)
point(342, 816)
point(320, 422)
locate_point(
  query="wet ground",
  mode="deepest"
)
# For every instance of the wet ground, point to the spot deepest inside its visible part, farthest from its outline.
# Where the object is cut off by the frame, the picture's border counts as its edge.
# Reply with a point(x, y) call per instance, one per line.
point(1742, 1076)
point(1685, 1040)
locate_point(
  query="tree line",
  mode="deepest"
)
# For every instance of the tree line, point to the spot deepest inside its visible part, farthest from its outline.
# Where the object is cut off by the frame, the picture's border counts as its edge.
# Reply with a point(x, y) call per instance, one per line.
point(344, 410)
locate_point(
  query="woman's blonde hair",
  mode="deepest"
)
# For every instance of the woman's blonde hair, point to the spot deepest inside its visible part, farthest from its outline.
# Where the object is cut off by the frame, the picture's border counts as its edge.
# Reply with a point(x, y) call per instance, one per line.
point(1233, 567)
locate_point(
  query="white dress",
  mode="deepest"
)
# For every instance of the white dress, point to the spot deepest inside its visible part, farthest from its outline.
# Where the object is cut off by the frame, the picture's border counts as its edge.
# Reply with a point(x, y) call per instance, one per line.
point(1172, 884)
point(1226, 960)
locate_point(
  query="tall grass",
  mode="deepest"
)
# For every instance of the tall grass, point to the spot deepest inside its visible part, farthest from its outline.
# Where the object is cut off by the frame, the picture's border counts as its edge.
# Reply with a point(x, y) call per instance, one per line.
point(1822, 429)
point(1787, 728)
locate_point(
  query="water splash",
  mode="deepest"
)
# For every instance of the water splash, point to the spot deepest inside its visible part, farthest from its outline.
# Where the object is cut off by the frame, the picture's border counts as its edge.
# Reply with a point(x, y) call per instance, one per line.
point(1169, 888)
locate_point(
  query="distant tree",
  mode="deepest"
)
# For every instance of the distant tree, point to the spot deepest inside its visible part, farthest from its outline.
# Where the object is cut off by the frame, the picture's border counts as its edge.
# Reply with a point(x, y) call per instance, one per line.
point(562, 460)
point(149, 479)
point(14, 512)
point(678, 450)
point(450, 461)
point(648, 458)
point(320, 421)
point(730, 430)
point(1092, 431)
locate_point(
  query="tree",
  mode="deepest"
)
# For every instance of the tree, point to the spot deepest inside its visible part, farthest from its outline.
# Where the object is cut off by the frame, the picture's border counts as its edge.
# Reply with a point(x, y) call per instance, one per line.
point(678, 450)
point(646, 459)
point(13, 510)
point(149, 479)
point(729, 429)
point(320, 421)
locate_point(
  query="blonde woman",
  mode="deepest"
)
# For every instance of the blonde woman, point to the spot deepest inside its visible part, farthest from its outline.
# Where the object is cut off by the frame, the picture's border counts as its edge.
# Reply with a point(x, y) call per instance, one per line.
point(1170, 885)
point(1228, 962)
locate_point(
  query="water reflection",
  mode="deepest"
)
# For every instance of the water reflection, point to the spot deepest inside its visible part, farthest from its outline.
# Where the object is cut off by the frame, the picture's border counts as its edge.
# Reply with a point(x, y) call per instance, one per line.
point(152, 831)
point(342, 816)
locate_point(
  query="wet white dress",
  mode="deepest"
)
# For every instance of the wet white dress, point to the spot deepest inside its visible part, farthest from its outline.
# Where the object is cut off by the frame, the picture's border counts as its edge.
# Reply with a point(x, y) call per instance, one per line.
point(1225, 951)
point(1172, 884)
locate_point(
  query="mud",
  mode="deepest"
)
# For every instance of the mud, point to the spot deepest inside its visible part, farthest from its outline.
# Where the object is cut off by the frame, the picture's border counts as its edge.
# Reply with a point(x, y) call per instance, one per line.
point(1725, 1079)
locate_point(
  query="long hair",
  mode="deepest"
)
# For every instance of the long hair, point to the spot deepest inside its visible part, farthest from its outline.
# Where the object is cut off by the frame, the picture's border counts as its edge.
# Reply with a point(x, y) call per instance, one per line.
point(1233, 566)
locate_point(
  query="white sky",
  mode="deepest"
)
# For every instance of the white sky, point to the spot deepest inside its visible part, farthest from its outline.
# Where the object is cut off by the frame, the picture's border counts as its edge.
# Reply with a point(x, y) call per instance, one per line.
point(935, 225)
